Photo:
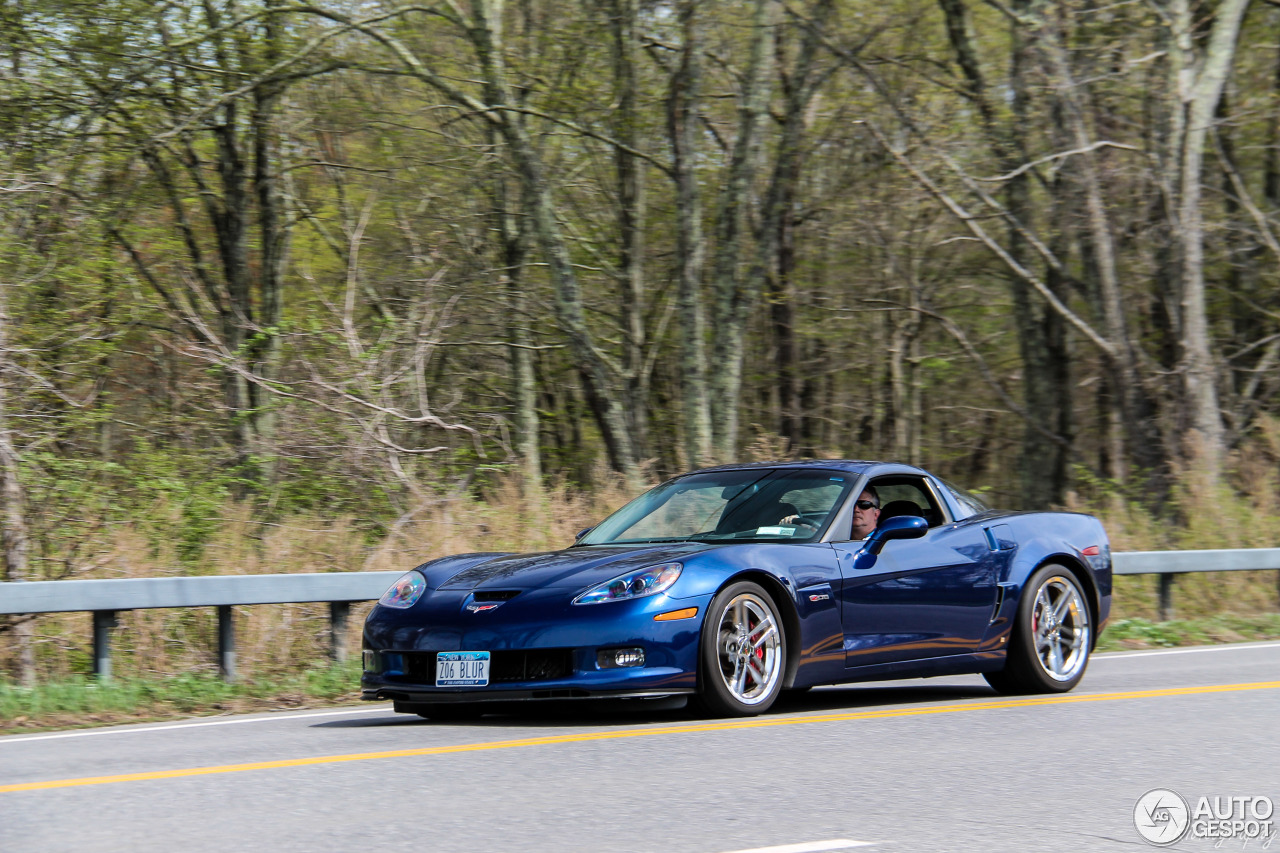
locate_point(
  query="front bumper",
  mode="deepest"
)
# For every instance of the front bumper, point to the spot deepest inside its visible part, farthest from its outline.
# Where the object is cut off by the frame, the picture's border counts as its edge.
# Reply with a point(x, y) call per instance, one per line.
point(542, 648)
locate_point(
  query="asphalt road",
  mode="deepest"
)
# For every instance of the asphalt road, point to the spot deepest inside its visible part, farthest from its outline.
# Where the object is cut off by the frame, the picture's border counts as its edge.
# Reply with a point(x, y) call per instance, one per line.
point(938, 765)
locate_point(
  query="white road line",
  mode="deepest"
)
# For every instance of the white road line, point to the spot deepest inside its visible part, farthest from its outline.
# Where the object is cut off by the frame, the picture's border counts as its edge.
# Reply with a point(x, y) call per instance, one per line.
point(202, 724)
point(809, 846)
point(1227, 647)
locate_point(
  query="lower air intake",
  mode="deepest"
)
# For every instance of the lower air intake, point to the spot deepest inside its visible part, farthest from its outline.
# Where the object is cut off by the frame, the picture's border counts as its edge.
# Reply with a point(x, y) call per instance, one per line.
point(506, 666)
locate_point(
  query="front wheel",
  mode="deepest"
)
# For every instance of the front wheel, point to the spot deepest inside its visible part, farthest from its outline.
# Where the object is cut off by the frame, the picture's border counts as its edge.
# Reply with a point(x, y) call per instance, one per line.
point(1050, 641)
point(743, 652)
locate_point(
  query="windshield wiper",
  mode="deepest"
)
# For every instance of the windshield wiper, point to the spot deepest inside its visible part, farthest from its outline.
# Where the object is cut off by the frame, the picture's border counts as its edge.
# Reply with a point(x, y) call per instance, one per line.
point(657, 540)
point(661, 540)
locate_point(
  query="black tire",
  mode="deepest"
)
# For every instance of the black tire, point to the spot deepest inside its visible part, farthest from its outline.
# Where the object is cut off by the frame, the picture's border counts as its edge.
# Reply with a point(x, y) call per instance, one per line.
point(1051, 638)
point(734, 680)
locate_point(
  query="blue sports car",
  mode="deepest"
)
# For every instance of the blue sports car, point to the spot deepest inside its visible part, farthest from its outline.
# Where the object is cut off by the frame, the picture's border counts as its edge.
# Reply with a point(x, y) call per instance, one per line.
point(733, 584)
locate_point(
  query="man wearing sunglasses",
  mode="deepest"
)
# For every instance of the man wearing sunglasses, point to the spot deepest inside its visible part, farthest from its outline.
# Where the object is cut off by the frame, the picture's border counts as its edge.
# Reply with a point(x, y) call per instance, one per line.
point(866, 513)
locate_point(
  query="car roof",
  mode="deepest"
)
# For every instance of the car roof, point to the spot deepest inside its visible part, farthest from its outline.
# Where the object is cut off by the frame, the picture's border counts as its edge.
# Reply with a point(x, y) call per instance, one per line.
point(853, 466)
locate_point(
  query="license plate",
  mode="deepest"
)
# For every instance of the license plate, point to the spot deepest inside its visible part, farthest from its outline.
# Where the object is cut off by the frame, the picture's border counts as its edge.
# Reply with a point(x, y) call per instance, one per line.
point(462, 669)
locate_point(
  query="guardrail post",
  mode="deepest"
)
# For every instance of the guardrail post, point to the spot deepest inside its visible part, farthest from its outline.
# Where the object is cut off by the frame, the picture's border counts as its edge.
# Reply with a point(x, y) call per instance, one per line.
point(226, 642)
point(339, 618)
point(1166, 597)
point(103, 622)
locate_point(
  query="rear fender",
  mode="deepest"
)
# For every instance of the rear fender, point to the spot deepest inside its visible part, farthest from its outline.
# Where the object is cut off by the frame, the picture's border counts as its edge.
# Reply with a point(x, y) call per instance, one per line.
point(1094, 573)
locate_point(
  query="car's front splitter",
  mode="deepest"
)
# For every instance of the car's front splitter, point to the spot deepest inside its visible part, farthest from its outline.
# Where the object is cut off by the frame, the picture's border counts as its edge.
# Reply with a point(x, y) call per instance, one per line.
point(640, 682)
point(419, 697)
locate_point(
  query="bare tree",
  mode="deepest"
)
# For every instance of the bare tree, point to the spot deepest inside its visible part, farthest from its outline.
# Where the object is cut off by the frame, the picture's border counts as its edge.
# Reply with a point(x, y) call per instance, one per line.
point(1200, 79)
point(15, 539)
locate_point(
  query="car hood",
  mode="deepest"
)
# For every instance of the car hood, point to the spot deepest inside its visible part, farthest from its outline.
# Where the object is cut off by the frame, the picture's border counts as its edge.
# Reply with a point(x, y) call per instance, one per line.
point(571, 568)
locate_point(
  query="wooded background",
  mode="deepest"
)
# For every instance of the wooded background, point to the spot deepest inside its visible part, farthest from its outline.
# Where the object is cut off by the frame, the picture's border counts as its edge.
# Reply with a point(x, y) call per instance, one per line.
point(352, 258)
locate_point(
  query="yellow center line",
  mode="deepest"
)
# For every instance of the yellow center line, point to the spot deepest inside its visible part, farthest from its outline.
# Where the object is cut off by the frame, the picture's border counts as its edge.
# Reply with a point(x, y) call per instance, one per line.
point(583, 737)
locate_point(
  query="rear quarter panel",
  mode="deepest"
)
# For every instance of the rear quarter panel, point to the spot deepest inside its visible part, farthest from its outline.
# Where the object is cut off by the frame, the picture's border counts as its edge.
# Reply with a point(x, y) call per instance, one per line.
point(1061, 538)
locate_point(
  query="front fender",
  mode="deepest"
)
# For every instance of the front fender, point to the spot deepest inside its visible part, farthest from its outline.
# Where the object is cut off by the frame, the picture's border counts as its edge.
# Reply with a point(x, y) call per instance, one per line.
point(438, 571)
point(805, 576)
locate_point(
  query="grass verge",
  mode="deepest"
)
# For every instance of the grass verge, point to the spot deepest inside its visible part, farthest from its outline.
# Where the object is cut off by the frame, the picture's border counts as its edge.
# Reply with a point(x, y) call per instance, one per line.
point(82, 701)
point(1123, 634)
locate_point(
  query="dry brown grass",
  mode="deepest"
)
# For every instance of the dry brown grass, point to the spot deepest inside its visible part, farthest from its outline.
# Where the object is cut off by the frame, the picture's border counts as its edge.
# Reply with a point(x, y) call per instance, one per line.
point(1241, 511)
point(274, 639)
point(277, 639)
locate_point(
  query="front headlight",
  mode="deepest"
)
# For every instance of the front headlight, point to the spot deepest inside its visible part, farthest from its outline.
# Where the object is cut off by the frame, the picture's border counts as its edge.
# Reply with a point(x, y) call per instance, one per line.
point(647, 581)
point(405, 592)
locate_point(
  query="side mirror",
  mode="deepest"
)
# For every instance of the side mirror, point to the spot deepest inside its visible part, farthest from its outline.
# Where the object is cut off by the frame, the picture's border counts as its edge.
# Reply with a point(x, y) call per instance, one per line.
point(583, 532)
point(898, 527)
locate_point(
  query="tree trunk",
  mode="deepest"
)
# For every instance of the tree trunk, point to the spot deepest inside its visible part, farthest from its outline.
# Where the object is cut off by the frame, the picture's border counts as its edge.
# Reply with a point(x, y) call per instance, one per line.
point(1041, 332)
point(1199, 94)
point(734, 296)
point(1271, 159)
point(274, 233)
point(524, 386)
point(16, 541)
point(631, 202)
point(782, 315)
point(775, 252)
point(233, 302)
point(683, 119)
point(1133, 418)
point(903, 385)
point(597, 382)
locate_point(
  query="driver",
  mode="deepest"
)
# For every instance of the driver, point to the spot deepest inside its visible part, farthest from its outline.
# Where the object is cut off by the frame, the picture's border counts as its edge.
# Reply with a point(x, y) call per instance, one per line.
point(866, 513)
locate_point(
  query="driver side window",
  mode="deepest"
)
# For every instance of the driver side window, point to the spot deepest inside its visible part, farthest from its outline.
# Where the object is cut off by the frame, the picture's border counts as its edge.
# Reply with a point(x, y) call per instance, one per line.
point(907, 496)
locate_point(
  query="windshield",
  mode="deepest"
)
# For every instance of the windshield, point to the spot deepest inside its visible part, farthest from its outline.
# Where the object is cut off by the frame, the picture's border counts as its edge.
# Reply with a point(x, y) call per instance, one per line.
point(752, 504)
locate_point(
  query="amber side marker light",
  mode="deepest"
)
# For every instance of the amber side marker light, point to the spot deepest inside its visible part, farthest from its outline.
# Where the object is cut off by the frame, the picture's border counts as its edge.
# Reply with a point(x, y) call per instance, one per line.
point(672, 615)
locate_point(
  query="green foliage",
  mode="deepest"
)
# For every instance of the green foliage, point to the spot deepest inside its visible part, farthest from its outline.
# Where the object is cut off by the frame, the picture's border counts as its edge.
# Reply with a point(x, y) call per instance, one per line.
point(938, 370)
point(83, 698)
point(1143, 633)
point(189, 485)
point(132, 309)
point(1148, 633)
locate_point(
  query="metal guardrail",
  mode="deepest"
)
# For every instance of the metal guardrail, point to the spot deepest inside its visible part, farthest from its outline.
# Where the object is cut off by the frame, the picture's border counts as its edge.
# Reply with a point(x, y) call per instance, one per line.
point(1182, 562)
point(203, 591)
point(105, 598)
point(1170, 564)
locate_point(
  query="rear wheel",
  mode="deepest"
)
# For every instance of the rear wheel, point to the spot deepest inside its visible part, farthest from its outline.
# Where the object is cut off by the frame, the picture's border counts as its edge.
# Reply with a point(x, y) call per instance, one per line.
point(743, 652)
point(1050, 642)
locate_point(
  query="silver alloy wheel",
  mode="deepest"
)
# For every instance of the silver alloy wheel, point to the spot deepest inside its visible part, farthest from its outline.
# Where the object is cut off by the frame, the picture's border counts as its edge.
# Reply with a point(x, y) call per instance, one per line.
point(749, 648)
point(1060, 628)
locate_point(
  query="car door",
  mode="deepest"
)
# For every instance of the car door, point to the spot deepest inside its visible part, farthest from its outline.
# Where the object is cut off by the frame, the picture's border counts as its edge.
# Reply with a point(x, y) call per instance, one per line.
point(922, 598)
